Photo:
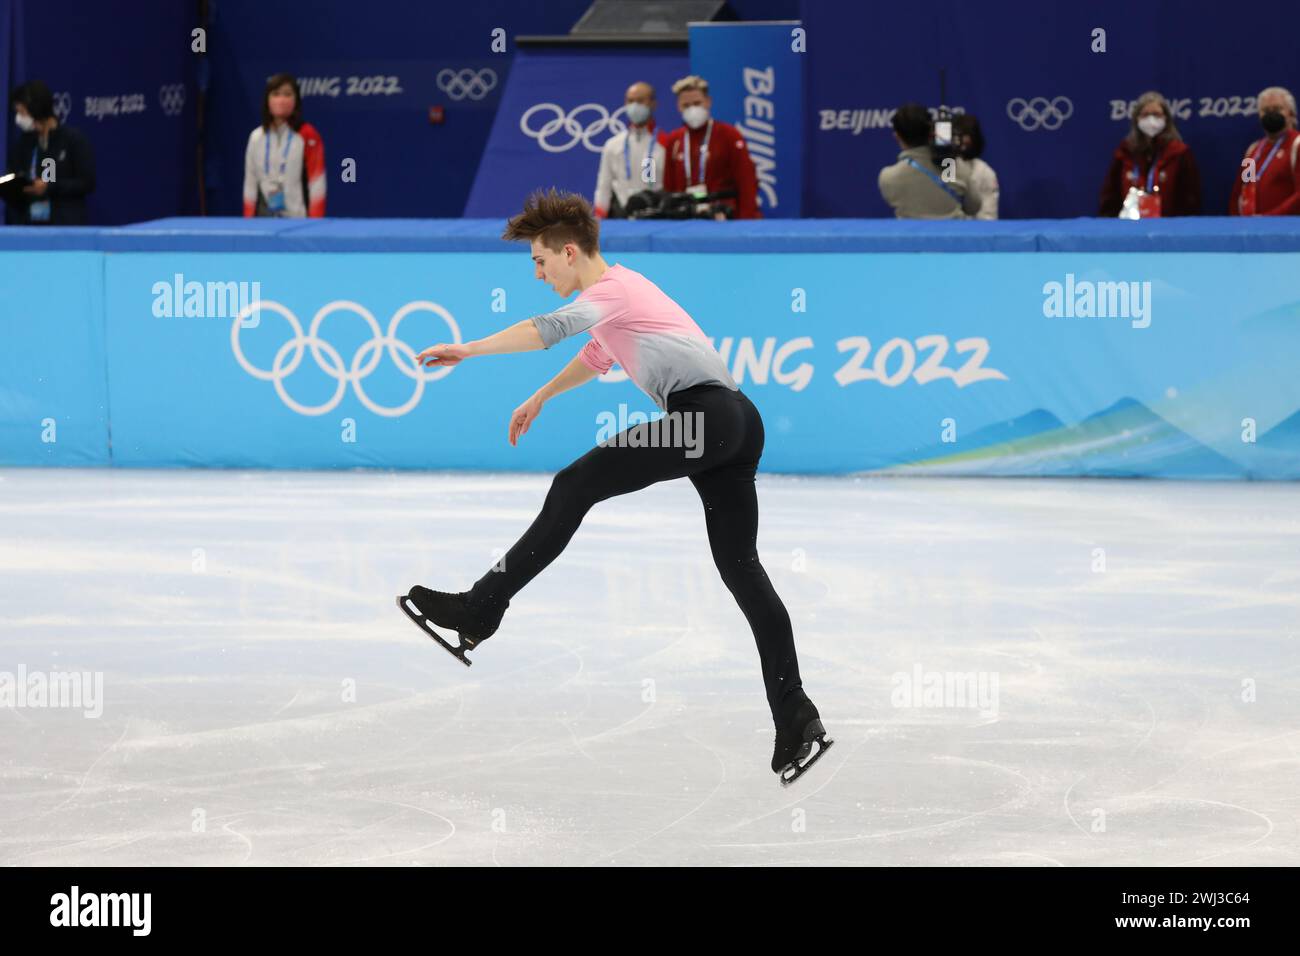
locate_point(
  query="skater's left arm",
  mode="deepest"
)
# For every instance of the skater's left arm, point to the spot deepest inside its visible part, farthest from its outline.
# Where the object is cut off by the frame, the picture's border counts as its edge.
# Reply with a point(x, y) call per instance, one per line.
point(577, 372)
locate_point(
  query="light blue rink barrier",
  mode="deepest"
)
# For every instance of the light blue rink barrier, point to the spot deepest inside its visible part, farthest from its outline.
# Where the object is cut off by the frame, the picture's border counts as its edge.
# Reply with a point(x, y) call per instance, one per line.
point(1166, 348)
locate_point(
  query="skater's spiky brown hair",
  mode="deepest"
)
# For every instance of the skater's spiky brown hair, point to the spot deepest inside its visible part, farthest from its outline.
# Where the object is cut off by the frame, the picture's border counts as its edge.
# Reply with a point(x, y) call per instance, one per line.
point(556, 218)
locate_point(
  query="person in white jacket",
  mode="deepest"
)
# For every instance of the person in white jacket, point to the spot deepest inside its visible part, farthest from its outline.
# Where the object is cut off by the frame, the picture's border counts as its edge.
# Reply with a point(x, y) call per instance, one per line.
point(983, 181)
point(631, 161)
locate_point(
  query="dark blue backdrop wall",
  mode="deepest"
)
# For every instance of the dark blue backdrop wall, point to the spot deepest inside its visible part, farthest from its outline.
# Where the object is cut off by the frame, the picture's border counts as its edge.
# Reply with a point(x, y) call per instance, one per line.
point(1052, 109)
point(372, 74)
point(125, 75)
point(1045, 101)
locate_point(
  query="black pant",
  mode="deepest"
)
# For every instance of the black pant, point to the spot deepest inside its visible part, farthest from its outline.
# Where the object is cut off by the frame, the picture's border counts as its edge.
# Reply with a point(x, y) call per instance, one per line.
point(725, 433)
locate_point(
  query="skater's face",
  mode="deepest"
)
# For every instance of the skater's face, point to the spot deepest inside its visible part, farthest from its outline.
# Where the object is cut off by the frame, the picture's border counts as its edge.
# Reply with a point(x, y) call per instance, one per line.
point(557, 269)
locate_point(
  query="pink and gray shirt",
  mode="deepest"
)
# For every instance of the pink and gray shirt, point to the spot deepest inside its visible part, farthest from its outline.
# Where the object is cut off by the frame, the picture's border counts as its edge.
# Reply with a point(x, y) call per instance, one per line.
point(632, 322)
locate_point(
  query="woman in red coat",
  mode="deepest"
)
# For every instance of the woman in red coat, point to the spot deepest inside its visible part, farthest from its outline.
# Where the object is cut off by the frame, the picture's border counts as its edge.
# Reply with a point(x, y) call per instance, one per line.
point(1154, 158)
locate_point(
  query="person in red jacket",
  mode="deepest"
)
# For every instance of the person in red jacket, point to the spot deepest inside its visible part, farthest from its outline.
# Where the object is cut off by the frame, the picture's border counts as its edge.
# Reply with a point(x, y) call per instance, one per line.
point(1154, 158)
point(284, 163)
point(710, 152)
point(1268, 183)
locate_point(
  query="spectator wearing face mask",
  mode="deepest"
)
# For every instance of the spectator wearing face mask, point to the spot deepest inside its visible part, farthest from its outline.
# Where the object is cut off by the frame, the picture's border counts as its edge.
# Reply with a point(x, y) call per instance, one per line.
point(1268, 183)
point(284, 162)
point(631, 161)
point(1154, 159)
point(708, 153)
point(983, 180)
point(57, 159)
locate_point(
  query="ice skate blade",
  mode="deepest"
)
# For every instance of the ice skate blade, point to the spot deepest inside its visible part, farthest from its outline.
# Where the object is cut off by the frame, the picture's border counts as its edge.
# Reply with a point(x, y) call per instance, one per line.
point(424, 624)
point(795, 769)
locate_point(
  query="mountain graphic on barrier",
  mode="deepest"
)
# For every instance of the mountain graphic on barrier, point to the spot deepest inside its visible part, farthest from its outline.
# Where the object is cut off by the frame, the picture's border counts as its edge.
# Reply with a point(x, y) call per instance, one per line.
point(1284, 436)
point(1125, 440)
point(1276, 453)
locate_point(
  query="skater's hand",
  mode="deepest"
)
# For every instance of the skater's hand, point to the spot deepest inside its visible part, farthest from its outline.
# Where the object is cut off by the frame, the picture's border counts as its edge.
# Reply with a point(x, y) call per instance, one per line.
point(442, 354)
point(523, 417)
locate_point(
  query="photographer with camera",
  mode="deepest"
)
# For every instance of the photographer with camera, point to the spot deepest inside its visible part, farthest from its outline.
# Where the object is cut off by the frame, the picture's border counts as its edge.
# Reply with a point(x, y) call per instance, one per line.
point(930, 180)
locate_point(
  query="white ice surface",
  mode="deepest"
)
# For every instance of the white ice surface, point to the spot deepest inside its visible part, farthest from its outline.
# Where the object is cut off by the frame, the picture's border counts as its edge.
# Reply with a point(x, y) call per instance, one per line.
point(1120, 691)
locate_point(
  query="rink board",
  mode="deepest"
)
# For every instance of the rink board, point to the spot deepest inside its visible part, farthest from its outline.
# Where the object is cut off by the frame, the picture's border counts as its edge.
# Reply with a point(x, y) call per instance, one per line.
point(1166, 364)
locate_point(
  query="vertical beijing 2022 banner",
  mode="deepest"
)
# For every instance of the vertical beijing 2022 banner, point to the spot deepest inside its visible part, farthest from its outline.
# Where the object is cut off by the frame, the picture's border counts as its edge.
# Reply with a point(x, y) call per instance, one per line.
point(755, 74)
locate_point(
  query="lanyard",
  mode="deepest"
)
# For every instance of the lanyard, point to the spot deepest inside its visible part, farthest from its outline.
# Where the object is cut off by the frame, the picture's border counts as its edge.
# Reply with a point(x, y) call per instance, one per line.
point(704, 153)
point(33, 176)
point(288, 140)
point(627, 161)
point(1271, 153)
point(1134, 175)
point(937, 181)
point(1151, 173)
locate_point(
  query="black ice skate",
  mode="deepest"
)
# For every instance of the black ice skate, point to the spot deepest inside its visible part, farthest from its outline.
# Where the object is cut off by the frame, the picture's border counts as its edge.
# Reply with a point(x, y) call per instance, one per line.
point(473, 623)
point(794, 753)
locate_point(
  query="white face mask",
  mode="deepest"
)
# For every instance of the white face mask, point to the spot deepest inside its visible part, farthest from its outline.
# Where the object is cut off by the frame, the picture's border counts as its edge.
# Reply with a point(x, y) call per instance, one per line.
point(695, 116)
point(638, 113)
point(25, 122)
point(1153, 126)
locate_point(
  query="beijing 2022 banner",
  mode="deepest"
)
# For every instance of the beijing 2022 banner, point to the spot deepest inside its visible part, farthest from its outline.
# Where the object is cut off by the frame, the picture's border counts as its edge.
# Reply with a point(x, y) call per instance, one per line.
point(1112, 364)
point(755, 74)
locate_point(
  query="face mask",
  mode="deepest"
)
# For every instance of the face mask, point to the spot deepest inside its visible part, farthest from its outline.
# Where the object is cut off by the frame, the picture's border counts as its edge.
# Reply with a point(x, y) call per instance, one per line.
point(695, 116)
point(1153, 126)
point(1272, 121)
point(25, 122)
point(638, 113)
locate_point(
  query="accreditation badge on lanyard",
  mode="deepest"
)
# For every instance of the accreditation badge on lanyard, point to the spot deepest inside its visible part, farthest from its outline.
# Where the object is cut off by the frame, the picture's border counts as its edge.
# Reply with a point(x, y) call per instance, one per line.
point(1248, 200)
point(38, 210)
point(697, 189)
point(275, 188)
point(1149, 203)
point(1143, 203)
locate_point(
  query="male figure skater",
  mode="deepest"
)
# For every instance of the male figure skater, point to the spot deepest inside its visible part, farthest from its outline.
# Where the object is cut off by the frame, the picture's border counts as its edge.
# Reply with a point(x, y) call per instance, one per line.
point(632, 322)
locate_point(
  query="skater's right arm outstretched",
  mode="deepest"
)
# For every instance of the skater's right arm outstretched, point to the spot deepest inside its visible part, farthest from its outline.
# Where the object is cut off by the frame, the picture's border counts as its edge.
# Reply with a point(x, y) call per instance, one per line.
point(576, 373)
point(520, 337)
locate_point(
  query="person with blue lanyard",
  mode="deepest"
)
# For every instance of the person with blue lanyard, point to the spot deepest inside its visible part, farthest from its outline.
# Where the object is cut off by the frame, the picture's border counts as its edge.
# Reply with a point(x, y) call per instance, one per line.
point(1153, 173)
point(632, 160)
point(922, 185)
point(1268, 180)
point(284, 163)
point(57, 160)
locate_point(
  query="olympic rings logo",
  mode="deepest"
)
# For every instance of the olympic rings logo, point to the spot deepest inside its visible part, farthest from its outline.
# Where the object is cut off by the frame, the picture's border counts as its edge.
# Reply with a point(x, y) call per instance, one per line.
point(62, 106)
point(1040, 113)
point(568, 122)
point(329, 360)
point(172, 98)
point(467, 83)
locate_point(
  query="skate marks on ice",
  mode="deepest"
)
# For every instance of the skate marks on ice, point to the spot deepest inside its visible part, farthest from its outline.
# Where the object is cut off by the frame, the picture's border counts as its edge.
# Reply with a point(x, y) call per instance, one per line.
point(617, 718)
